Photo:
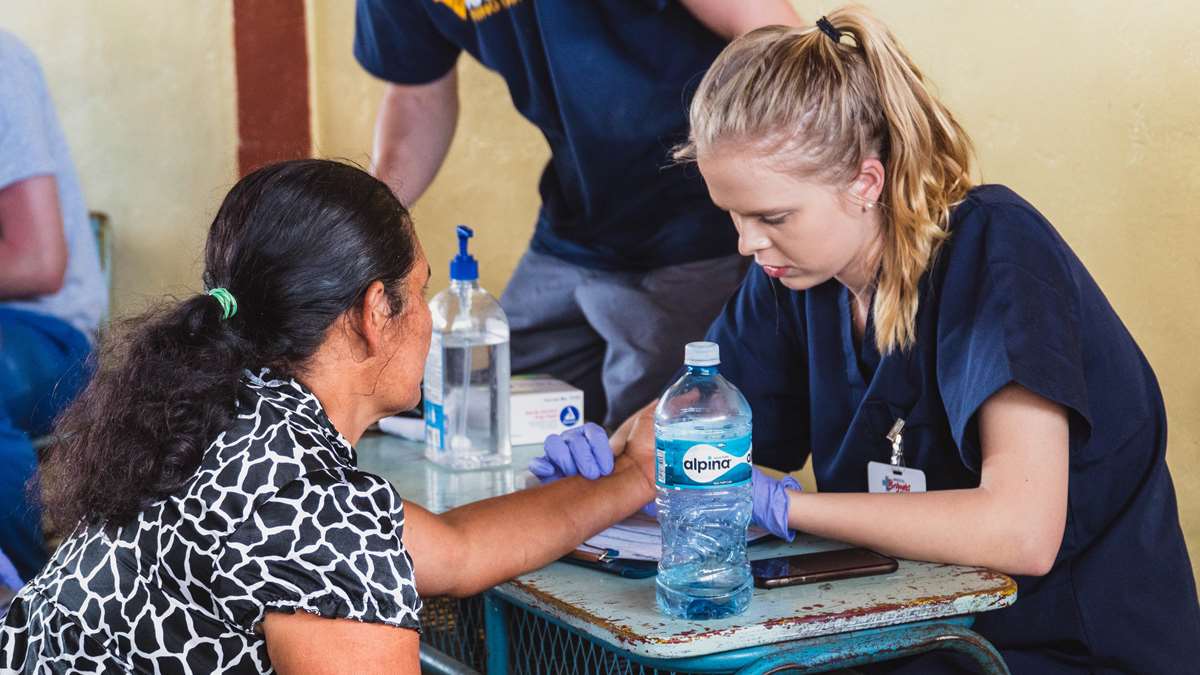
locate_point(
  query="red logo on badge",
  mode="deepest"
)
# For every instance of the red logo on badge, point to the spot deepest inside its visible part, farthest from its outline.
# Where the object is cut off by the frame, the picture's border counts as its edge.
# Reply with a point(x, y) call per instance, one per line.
point(892, 485)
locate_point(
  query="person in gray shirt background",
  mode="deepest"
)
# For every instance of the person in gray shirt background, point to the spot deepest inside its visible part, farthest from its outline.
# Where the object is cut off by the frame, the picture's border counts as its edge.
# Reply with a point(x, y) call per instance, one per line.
point(52, 291)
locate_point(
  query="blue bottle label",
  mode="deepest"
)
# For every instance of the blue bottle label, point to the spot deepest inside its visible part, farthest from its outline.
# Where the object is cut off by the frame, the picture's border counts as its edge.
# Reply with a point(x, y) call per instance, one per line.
point(687, 464)
point(435, 426)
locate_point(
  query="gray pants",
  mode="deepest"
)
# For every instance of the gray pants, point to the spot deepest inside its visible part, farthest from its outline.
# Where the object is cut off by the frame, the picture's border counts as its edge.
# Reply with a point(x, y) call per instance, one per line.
point(618, 336)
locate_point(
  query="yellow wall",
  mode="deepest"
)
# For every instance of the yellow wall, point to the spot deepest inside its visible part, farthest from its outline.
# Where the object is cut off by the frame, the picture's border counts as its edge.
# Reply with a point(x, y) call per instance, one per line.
point(1086, 108)
point(145, 93)
point(489, 180)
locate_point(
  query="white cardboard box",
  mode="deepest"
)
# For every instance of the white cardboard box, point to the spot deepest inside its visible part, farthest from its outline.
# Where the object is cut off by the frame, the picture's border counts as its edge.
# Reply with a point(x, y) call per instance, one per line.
point(540, 406)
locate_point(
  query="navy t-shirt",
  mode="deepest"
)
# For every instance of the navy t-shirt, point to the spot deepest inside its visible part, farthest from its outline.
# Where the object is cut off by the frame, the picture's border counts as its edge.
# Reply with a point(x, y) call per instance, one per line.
point(1006, 301)
point(608, 83)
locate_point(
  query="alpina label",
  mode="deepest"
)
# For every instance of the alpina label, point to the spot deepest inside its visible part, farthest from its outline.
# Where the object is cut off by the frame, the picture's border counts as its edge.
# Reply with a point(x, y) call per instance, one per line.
point(686, 464)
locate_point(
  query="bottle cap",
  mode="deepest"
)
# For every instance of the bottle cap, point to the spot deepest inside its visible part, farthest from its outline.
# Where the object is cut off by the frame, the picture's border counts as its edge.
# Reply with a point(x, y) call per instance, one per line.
point(464, 266)
point(702, 354)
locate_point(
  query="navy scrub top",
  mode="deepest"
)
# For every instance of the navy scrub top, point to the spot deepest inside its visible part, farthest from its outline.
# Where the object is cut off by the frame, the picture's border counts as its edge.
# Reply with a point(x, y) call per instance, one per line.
point(1005, 301)
point(608, 84)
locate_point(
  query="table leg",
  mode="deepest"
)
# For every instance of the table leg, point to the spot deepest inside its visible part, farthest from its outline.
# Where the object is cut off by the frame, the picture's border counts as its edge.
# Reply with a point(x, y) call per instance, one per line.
point(883, 644)
point(495, 622)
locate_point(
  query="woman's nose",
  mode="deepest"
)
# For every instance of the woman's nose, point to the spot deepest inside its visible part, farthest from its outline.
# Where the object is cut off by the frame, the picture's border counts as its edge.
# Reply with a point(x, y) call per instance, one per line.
point(751, 240)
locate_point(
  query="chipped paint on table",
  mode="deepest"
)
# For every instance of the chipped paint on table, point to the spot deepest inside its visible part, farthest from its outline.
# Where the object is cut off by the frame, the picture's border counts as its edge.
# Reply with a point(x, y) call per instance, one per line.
point(622, 612)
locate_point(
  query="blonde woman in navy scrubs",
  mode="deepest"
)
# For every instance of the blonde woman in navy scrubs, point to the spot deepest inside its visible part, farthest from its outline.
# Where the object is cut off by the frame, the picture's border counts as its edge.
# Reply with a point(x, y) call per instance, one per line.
point(888, 287)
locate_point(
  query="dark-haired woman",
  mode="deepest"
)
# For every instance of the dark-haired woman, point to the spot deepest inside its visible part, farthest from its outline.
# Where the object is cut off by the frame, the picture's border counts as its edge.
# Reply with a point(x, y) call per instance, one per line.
point(221, 524)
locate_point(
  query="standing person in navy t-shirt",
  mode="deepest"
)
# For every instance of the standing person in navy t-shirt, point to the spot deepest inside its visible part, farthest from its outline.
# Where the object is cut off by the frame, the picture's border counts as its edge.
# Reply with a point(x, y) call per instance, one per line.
point(629, 259)
point(888, 287)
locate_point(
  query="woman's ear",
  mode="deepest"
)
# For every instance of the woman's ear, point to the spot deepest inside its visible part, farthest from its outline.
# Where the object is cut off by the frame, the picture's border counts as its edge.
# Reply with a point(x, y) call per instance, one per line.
point(375, 314)
point(868, 185)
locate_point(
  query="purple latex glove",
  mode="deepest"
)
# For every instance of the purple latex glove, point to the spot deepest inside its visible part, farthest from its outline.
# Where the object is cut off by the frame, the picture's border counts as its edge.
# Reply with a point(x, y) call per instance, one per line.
point(770, 499)
point(771, 503)
point(583, 450)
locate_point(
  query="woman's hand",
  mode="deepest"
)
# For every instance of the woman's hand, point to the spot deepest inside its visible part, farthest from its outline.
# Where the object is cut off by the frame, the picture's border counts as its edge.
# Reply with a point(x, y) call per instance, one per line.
point(771, 503)
point(586, 451)
point(583, 450)
point(637, 443)
point(471, 548)
point(621, 435)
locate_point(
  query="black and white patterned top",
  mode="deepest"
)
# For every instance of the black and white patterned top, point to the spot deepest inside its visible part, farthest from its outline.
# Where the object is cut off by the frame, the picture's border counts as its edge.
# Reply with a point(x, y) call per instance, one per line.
point(277, 517)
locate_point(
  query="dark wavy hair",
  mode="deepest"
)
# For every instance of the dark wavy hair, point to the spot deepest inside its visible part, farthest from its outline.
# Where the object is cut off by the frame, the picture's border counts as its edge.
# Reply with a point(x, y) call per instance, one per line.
point(297, 244)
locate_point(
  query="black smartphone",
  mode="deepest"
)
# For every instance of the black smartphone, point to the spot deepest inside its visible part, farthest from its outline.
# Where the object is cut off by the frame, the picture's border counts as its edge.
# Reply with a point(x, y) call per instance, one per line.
point(808, 568)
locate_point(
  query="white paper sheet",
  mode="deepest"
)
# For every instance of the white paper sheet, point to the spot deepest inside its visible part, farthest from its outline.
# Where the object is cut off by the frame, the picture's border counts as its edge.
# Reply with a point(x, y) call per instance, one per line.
point(639, 538)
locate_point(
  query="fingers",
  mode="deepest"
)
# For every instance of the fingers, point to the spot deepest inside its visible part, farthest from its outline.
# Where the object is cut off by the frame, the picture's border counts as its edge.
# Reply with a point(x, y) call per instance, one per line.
point(581, 452)
point(542, 468)
point(621, 435)
point(601, 450)
point(642, 431)
point(560, 455)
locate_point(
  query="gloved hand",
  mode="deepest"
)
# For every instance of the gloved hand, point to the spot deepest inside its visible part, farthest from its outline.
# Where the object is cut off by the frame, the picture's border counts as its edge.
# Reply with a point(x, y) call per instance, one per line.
point(771, 503)
point(582, 450)
point(585, 450)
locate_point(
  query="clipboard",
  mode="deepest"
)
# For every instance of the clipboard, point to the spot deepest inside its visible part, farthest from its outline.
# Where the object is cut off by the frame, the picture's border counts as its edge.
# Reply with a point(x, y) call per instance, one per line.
point(641, 533)
point(609, 560)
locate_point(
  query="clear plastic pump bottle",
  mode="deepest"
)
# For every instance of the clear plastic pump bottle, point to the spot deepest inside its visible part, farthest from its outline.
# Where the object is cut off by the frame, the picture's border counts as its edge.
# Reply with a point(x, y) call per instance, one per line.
point(467, 373)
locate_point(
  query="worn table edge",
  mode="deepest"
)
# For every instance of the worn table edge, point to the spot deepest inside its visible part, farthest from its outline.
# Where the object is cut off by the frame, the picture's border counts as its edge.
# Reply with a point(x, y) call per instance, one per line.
point(693, 643)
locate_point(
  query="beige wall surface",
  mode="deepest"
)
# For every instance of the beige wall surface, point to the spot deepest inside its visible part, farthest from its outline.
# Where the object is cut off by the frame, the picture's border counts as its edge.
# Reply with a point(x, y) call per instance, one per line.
point(145, 93)
point(489, 180)
point(1085, 108)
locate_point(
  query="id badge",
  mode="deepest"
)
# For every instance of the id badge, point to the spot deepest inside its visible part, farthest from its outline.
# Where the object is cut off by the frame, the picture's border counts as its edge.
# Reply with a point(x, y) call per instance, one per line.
point(896, 479)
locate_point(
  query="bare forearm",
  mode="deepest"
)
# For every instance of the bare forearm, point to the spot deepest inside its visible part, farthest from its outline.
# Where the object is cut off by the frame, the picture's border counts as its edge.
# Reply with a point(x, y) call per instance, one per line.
point(731, 19)
point(25, 274)
point(413, 133)
point(1013, 522)
point(965, 527)
point(507, 536)
point(33, 248)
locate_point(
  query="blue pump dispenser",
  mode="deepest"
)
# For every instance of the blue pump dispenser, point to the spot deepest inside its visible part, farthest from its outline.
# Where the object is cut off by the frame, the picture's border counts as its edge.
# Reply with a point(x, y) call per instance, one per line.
point(464, 267)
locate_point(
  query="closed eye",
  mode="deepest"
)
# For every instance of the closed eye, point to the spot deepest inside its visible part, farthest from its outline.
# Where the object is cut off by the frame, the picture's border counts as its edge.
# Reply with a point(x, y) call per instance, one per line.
point(775, 219)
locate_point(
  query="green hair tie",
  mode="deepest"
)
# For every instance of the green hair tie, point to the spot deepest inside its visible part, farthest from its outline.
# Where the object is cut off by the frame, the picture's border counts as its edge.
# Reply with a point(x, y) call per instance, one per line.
point(228, 304)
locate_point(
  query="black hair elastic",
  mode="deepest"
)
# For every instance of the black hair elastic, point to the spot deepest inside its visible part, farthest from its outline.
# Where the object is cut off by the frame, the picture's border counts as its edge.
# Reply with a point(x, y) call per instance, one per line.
point(828, 29)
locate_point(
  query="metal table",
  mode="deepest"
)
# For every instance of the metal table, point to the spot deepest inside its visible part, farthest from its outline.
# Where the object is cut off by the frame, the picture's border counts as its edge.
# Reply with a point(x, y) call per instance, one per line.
point(565, 618)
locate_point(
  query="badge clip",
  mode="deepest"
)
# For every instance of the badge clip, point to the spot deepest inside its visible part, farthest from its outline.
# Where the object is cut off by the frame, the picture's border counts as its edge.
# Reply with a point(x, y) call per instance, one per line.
point(895, 478)
point(896, 436)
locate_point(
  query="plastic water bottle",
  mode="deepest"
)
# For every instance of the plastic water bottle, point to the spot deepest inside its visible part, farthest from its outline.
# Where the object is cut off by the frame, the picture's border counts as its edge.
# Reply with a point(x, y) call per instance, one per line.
point(702, 436)
point(467, 372)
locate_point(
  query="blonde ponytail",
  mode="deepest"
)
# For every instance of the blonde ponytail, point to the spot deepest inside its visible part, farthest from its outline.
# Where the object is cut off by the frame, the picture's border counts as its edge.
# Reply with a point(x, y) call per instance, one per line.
point(826, 105)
